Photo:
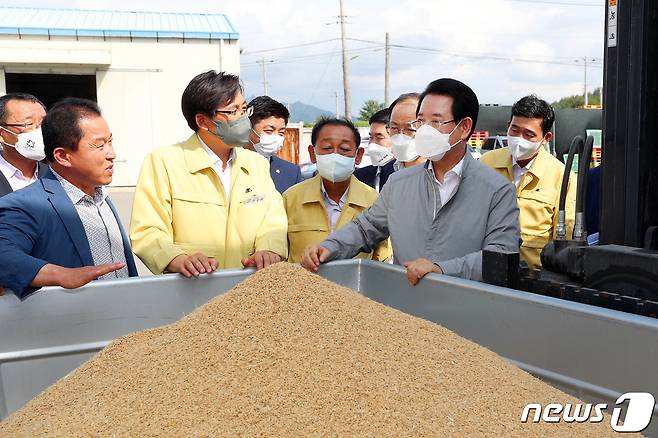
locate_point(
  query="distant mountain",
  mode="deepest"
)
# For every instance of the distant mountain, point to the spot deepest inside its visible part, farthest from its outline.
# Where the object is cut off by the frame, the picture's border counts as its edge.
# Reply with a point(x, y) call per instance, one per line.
point(301, 112)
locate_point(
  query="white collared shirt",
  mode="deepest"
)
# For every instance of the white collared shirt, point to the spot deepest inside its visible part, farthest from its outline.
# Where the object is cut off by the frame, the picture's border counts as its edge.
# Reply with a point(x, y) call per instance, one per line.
point(451, 180)
point(334, 209)
point(14, 176)
point(518, 171)
point(224, 173)
point(378, 177)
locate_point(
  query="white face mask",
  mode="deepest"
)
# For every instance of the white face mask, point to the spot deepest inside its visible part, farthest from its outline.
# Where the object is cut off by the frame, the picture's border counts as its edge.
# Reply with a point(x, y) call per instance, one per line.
point(335, 167)
point(433, 144)
point(404, 148)
point(29, 144)
point(269, 144)
point(379, 155)
point(520, 148)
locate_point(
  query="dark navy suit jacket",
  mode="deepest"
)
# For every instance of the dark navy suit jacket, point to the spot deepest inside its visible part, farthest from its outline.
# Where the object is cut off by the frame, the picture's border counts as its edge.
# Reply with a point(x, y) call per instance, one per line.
point(39, 225)
point(284, 174)
point(367, 174)
point(5, 187)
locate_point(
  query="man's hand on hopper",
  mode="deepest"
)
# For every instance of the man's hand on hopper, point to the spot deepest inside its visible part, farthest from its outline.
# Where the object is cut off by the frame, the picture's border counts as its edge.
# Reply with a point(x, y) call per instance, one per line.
point(420, 268)
point(71, 278)
point(314, 256)
point(192, 265)
point(261, 259)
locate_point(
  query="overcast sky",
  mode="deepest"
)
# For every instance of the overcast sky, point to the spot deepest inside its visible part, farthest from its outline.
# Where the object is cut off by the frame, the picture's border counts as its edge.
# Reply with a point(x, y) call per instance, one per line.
point(503, 49)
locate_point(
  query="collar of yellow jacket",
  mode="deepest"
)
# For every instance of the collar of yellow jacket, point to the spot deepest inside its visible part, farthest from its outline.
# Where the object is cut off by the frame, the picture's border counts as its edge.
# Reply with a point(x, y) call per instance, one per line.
point(196, 157)
point(357, 193)
point(502, 159)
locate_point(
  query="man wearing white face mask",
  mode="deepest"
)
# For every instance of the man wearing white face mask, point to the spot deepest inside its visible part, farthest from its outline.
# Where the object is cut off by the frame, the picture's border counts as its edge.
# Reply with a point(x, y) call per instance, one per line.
point(20, 134)
point(268, 128)
point(334, 197)
point(440, 216)
point(379, 151)
point(402, 114)
point(536, 174)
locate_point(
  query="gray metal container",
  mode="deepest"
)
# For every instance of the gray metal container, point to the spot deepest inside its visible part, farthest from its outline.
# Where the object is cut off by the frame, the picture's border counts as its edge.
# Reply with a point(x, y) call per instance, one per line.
point(592, 353)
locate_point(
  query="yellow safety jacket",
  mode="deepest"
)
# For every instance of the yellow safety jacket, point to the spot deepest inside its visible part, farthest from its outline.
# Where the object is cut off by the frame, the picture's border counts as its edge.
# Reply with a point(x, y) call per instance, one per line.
point(180, 208)
point(538, 196)
point(308, 222)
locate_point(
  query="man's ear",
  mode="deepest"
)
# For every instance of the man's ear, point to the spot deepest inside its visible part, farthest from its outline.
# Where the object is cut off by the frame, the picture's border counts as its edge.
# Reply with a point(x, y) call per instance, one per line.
point(548, 136)
point(359, 155)
point(62, 157)
point(311, 153)
point(467, 124)
point(202, 122)
point(7, 137)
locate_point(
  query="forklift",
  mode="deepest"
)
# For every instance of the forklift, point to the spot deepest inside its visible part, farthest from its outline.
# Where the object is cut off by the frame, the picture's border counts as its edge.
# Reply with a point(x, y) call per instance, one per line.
point(621, 272)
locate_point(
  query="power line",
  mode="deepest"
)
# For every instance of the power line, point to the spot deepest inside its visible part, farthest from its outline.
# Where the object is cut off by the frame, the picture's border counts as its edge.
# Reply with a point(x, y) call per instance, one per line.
point(497, 58)
point(313, 55)
point(494, 57)
point(313, 43)
point(324, 72)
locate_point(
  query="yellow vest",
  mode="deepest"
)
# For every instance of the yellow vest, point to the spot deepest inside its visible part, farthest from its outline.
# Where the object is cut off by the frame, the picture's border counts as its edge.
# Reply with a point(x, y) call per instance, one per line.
point(180, 208)
point(538, 195)
point(308, 222)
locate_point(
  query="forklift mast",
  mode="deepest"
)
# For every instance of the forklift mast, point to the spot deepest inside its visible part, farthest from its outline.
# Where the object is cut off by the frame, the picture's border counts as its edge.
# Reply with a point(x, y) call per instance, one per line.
point(629, 176)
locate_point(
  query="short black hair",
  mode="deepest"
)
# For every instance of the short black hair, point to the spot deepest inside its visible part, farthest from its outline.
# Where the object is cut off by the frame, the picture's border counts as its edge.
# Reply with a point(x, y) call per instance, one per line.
point(333, 121)
point(381, 116)
point(25, 97)
point(206, 92)
point(61, 126)
point(464, 101)
point(533, 107)
point(264, 107)
point(402, 98)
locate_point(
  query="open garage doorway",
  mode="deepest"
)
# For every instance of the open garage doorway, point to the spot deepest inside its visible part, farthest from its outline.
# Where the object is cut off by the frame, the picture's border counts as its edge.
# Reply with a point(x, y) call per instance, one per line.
point(50, 88)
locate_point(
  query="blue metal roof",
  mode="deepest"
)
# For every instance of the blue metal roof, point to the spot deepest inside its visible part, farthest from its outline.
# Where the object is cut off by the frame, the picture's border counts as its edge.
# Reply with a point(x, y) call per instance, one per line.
point(78, 22)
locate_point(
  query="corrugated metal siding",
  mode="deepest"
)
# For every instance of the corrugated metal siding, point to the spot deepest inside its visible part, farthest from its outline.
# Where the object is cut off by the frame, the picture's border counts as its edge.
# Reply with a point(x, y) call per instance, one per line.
point(74, 22)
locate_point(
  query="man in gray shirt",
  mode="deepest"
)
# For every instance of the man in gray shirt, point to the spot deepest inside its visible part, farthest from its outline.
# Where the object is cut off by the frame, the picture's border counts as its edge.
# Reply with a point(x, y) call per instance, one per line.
point(441, 215)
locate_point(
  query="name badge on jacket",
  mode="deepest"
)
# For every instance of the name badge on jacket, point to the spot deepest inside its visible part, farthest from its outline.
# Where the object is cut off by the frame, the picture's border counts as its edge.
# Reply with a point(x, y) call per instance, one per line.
point(252, 198)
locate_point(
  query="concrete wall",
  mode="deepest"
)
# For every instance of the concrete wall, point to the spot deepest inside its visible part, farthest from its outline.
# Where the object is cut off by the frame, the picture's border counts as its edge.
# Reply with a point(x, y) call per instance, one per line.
point(139, 83)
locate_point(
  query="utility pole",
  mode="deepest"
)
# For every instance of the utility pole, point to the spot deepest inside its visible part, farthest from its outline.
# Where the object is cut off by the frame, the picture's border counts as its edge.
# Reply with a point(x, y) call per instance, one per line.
point(387, 70)
point(585, 58)
point(346, 81)
point(262, 63)
point(337, 109)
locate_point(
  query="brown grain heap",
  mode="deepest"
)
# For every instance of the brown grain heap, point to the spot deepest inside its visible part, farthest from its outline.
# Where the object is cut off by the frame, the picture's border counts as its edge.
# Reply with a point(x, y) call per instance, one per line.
point(287, 353)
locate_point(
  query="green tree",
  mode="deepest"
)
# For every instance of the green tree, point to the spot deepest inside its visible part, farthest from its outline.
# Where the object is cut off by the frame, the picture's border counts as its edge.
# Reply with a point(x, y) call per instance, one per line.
point(575, 101)
point(369, 108)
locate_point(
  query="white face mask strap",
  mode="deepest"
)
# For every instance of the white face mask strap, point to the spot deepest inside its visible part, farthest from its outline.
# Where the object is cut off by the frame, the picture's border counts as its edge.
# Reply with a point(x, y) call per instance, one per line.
point(11, 132)
point(451, 132)
point(7, 130)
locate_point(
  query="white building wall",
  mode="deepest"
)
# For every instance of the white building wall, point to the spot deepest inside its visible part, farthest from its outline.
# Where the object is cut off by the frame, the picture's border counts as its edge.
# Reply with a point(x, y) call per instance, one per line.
point(139, 83)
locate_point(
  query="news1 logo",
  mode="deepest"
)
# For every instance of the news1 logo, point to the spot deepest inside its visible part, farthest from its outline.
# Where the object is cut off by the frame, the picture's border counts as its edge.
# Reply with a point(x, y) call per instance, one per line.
point(638, 413)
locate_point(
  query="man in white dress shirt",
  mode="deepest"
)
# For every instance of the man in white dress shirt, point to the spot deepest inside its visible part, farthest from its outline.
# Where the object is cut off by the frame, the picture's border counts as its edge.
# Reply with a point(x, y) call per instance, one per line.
point(22, 143)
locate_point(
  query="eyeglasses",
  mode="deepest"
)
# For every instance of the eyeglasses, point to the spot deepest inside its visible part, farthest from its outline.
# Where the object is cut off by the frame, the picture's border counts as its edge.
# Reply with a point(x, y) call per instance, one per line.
point(27, 125)
point(237, 112)
point(434, 124)
point(105, 146)
point(394, 130)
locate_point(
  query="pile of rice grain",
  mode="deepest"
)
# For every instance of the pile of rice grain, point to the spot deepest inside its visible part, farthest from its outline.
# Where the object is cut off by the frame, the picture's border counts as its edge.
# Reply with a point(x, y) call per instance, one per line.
point(287, 353)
